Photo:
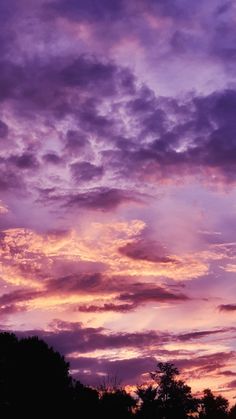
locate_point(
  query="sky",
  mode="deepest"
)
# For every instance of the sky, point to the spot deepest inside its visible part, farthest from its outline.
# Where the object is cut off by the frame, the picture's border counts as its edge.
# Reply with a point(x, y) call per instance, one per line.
point(117, 185)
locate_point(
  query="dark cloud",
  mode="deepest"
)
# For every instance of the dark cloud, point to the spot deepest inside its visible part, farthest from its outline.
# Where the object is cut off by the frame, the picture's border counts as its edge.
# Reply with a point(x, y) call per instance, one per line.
point(89, 10)
point(72, 337)
point(126, 371)
point(62, 86)
point(52, 158)
point(99, 284)
point(106, 78)
point(3, 129)
point(24, 161)
point(232, 384)
point(120, 308)
point(75, 142)
point(85, 171)
point(151, 294)
point(77, 283)
point(12, 76)
point(8, 9)
point(137, 294)
point(201, 334)
point(228, 373)
point(10, 180)
point(101, 199)
point(119, 10)
point(22, 295)
point(10, 309)
point(142, 249)
point(144, 296)
point(12, 171)
point(198, 366)
point(227, 307)
point(94, 284)
point(222, 45)
point(95, 199)
point(130, 371)
point(169, 137)
point(17, 301)
point(205, 141)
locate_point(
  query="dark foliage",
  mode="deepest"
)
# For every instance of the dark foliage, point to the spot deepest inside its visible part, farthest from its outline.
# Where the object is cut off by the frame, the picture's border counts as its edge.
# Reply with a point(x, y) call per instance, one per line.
point(33, 378)
point(170, 398)
point(213, 407)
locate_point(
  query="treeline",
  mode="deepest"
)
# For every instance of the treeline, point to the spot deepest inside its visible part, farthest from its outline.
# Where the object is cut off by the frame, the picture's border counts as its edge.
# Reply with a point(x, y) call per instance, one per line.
point(35, 383)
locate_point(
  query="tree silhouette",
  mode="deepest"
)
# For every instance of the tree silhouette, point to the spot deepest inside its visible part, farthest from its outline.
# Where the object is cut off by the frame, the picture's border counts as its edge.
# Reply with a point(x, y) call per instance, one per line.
point(33, 378)
point(173, 397)
point(232, 412)
point(85, 400)
point(117, 404)
point(213, 407)
point(149, 404)
point(8, 350)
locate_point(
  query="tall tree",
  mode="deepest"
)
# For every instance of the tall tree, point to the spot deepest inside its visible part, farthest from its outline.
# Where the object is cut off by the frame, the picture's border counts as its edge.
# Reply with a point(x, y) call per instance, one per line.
point(149, 406)
point(174, 398)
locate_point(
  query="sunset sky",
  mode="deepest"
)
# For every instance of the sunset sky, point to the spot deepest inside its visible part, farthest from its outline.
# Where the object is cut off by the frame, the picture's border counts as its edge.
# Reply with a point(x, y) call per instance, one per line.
point(117, 184)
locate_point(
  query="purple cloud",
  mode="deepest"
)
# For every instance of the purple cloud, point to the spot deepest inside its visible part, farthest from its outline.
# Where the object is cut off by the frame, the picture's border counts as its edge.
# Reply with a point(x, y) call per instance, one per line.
point(85, 171)
point(52, 158)
point(72, 337)
point(143, 249)
point(24, 161)
point(102, 199)
point(3, 130)
point(227, 307)
point(152, 294)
